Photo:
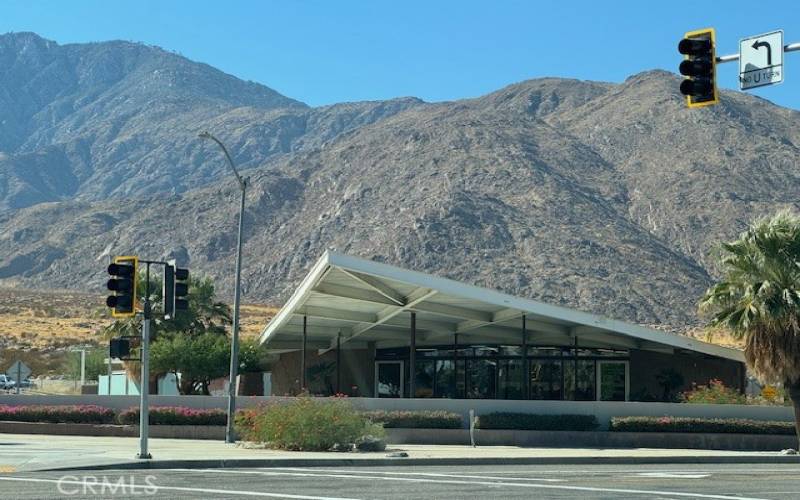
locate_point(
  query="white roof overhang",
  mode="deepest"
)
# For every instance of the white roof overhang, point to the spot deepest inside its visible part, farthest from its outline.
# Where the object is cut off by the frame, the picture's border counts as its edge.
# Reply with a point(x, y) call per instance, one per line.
point(360, 301)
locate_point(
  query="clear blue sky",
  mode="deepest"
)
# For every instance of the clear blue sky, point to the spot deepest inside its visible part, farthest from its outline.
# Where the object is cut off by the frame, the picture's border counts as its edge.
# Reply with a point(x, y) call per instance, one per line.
point(322, 52)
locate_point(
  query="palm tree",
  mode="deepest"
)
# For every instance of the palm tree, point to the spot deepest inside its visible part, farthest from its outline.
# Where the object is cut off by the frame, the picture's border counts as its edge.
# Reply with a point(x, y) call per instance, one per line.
point(758, 300)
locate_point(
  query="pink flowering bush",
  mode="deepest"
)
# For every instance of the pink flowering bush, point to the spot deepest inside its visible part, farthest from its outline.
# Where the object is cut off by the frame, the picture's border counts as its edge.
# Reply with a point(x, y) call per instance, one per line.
point(74, 414)
point(175, 415)
point(713, 393)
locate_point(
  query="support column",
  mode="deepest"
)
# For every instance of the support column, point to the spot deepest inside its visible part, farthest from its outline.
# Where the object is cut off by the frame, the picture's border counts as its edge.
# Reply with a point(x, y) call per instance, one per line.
point(455, 365)
point(575, 375)
point(339, 363)
point(526, 372)
point(303, 355)
point(412, 357)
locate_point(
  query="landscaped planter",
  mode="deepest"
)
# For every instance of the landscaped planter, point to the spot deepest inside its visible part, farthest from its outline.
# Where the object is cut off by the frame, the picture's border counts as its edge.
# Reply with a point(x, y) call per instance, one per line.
point(156, 431)
point(593, 439)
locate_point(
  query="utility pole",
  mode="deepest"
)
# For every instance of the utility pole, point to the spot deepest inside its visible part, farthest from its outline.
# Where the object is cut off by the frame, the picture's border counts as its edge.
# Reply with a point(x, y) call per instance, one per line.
point(230, 436)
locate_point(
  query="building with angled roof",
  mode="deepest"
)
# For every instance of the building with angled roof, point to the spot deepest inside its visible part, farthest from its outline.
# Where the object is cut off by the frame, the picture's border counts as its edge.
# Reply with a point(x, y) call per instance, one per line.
point(357, 327)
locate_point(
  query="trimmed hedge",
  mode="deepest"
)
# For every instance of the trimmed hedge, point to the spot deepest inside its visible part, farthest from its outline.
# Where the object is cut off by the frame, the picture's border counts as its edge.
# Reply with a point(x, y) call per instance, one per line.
point(175, 415)
point(534, 422)
point(416, 419)
point(695, 425)
point(69, 414)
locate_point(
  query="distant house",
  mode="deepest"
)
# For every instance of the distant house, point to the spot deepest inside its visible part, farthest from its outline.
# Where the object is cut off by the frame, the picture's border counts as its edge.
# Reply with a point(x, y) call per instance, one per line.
point(369, 329)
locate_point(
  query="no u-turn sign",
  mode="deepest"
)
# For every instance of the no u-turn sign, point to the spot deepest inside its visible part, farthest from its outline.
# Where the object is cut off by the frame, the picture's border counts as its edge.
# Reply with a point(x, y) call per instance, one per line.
point(761, 60)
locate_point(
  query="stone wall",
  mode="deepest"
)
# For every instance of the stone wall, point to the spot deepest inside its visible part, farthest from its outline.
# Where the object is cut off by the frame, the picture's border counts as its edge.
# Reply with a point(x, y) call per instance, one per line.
point(357, 376)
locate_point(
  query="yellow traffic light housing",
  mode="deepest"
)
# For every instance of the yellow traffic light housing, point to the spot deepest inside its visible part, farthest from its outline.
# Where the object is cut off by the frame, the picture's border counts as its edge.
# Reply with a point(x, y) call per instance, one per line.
point(125, 274)
point(699, 67)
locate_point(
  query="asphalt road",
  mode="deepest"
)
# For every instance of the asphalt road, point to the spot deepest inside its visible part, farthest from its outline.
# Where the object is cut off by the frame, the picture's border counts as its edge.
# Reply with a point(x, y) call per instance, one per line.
point(577, 481)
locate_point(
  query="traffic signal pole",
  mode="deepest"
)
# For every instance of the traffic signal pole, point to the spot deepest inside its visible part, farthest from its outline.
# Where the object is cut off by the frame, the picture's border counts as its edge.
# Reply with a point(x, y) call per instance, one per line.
point(790, 47)
point(144, 385)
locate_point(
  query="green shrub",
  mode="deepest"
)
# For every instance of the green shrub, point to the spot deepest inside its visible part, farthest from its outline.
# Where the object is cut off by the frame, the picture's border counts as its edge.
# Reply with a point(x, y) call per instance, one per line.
point(533, 422)
point(685, 424)
point(175, 415)
point(306, 423)
point(72, 414)
point(416, 419)
point(714, 393)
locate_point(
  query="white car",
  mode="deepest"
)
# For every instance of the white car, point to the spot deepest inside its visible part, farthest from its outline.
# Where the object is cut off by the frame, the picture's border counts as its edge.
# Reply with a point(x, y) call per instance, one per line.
point(6, 383)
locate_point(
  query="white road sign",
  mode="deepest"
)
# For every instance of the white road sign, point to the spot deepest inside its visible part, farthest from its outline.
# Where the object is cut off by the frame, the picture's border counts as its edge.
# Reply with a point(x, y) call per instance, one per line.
point(18, 371)
point(761, 60)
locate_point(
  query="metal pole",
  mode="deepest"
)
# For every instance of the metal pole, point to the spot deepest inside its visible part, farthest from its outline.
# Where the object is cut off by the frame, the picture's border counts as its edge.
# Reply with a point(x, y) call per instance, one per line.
point(339, 363)
point(83, 367)
point(230, 436)
point(303, 354)
point(790, 47)
point(526, 377)
point(144, 384)
point(412, 357)
point(109, 373)
point(19, 376)
point(455, 365)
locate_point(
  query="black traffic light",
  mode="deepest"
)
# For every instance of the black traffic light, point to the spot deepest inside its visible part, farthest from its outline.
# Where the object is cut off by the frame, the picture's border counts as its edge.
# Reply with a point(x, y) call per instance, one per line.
point(699, 67)
point(176, 289)
point(124, 272)
point(119, 348)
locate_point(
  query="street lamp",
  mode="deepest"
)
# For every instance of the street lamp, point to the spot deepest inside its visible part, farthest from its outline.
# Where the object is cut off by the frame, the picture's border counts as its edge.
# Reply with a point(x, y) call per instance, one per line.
point(229, 434)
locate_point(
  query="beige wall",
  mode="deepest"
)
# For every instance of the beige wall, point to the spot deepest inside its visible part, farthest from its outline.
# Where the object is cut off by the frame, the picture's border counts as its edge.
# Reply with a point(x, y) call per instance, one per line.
point(645, 367)
point(357, 373)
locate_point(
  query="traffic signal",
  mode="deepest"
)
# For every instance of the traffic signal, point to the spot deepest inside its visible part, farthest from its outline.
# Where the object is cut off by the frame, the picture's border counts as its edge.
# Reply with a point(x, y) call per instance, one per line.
point(119, 348)
point(181, 289)
point(175, 289)
point(699, 67)
point(124, 272)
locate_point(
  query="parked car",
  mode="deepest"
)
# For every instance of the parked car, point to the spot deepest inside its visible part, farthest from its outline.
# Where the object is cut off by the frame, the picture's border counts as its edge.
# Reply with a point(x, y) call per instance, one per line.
point(6, 383)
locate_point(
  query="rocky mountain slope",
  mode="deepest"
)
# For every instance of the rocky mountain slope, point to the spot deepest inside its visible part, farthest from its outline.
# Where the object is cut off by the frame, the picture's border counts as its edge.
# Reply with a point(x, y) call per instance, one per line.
point(605, 197)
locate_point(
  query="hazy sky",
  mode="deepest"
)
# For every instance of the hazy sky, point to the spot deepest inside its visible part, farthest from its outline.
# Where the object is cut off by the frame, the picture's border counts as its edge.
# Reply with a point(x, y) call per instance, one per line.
point(322, 52)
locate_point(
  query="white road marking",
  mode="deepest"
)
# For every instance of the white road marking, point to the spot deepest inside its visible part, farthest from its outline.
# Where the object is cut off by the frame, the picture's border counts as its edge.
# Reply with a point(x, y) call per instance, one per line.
point(283, 472)
point(678, 475)
point(95, 484)
point(427, 474)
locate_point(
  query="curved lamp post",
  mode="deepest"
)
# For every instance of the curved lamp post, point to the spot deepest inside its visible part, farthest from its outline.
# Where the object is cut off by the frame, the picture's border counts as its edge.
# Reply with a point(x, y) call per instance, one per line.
point(229, 433)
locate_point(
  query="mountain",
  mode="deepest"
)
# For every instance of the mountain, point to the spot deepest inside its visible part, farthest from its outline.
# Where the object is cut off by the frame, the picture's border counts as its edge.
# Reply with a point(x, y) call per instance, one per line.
point(119, 119)
point(605, 197)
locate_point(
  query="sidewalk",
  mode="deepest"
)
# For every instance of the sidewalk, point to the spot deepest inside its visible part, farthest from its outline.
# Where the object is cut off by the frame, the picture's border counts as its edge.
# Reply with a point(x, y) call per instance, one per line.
point(23, 452)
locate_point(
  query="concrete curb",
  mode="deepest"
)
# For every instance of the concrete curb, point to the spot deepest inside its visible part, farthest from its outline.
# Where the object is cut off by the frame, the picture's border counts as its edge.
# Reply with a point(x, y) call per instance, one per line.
point(384, 461)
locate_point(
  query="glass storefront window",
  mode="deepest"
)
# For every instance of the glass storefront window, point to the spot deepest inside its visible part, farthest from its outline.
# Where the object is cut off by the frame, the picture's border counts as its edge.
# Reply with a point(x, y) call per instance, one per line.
point(481, 378)
point(511, 350)
point(545, 379)
point(510, 379)
point(544, 351)
point(582, 389)
point(482, 350)
point(424, 379)
point(445, 379)
point(461, 389)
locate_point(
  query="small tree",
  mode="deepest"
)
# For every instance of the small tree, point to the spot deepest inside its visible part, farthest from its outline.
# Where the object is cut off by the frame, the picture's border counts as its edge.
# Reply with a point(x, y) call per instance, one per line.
point(197, 358)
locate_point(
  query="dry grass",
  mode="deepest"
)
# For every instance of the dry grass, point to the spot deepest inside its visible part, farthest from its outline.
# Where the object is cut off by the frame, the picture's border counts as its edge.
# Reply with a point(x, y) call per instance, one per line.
point(38, 327)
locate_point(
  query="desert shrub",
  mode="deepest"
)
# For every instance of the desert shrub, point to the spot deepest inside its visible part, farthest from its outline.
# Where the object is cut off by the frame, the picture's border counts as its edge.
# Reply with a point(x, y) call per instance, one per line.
point(175, 415)
point(712, 425)
point(533, 422)
point(713, 393)
point(306, 423)
point(74, 414)
point(416, 419)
